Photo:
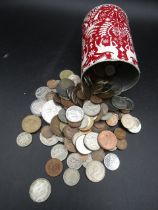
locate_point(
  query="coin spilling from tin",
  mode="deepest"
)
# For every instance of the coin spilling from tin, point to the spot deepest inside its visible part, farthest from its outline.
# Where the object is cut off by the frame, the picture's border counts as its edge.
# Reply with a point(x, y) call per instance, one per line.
point(24, 139)
point(54, 167)
point(31, 123)
point(111, 161)
point(74, 114)
point(71, 176)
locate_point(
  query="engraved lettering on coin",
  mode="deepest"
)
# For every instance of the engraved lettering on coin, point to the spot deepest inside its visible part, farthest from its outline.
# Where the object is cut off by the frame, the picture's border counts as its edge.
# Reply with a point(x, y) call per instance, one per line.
point(91, 141)
point(24, 139)
point(74, 114)
point(74, 161)
point(71, 176)
point(59, 151)
point(90, 108)
point(111, 161)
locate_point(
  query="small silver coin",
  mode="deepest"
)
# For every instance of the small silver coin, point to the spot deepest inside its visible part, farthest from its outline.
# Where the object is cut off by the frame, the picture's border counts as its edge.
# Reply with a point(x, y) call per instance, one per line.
point(74, 161)
point(24, 139)
point(111, 161)
point(71, 176)
point(90, 108)
point(59, 151)
point(75, 137)
point(36, 106)
point(41, 92)
point(91, 141)
point(48, 141)
point(95, 171)
point(40, 190)
point(62, 115)
point(74, 114)
point(49, 110)
point(137, 126)
point(80, 145)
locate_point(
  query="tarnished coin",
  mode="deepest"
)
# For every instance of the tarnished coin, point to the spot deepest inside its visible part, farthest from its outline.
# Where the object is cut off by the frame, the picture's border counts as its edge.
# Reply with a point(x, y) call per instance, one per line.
point(74, 114)
point(74, 124)
point(91, 142)
point(62, 115)
point(49, 110)
point(111, 161)
point(122, 144)
point(75, 78)
point(40, 190)
point(80, 94)
point(69, 132)
point(90, 108)
point(113, 120)
point(24, 139)
point(101, 125)
point(54, 167)
point(95, 171)
point(55, 126)
point(65, 74)
point(66, 103)
point(98, 155)
point(41, 92)
point(120, 133)
point(46, 132)
point(71, 176)
point(80, 145)
point(127, 121)
point(48, 141)
point(69, 145)
point(107, 140)
point(36, 106)
point(86, 160)
point(31, 123)
point(59, 151)
point(52, 83)
point(106, 116)
point(137, 126)
point(74, 161)
point(63, 86)
point(122, 103)
point(50, 96)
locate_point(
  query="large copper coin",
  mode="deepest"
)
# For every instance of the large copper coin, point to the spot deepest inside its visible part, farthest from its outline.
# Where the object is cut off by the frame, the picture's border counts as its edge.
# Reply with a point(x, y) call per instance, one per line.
point(120, 133)
point(31, 123)
point(54, 167)
point(55, 126)
point(107, 140)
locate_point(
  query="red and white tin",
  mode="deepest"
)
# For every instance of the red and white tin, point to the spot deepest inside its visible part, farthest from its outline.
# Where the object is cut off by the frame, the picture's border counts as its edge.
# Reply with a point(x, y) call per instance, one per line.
point(106, 37)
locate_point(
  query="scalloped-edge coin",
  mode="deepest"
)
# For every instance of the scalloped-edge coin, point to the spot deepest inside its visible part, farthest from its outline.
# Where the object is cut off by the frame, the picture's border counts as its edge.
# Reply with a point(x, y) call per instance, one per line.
point(40, 190)
point(111, 161)
point(24, 139)
point(71, 176)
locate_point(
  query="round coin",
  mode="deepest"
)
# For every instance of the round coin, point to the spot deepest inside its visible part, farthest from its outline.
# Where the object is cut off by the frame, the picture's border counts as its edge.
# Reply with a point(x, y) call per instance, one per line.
point(122, 144)
point(46, 132)
point(31, 123)
point(80, 145)
point(74, 114)
point(54, 167)
point(127, 121)
point(41, 92)
point(98, 155)
point(137, 126)
point(40, 190)
point(69, 145)
point(36, 106)
point(74, 161)
point(75, 78)
point(90, 108)
point(111, 161)
point(52, 83)
point(62, 115)
point(24, 139)
point(113, 120)
point(65, 74)
point(91, 141)
point(120, 133)
point(71, 176)
point(59, 151)
point(107, 140)
point(48, 141)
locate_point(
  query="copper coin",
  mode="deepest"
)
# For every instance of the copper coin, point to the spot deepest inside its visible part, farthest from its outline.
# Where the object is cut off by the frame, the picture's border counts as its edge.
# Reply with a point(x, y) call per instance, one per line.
point(94, 129)
point(98, 154)
point(50, 96)
point(120, 133)
point(31, 123)
point(46, 132)
point(74, 124)
point(101, 125)
point(113, 120)
point(69, 132)
point(122, 144)
point(54, 167)
point(57, 99)
point(66, 103)
point(80, 95)
point(107, 140)
point(96, 100)
point(52, 83)
point(55, 126)
point(69, 145)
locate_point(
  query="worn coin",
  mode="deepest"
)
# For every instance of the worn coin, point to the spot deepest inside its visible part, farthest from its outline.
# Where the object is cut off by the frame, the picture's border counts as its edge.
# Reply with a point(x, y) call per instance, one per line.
point(40, 190)
point(69, 145)
point(122, 102)
point(95, 99)
point(31, 123)
point(122, 144)
point(71, 176)
point(52, 83)
point(127, 121)
point(24, 139)
point(91, 142)
point(137, 126)
point(48, 141)
point(75, 78)
point(98, 155)
point(74, 161)
point(95, 171)
point(65, 74)
point(55, 126)
point(59, 151)
point(120, 133)
point(74, 124)
point(111, 161)
point(113, 120)
point(54, 167)
point(107, 140)
point(90, 108)
point(50, 96)
point(86, 160)
point(101, 125)
point(36, 106)
point(69, 132)
point(80, 145)
point(46, 132)
point(62, 115)
point(49, 110)
point(74, 114)
point(106, 116)
point(41, 92)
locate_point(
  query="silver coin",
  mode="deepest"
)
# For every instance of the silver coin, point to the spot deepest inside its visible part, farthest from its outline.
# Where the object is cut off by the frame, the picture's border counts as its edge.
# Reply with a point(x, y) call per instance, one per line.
point(111, 161)
point(85, 121)
point(75, 136)
point(91, 141)
point(91, 109)
point(137, 126)
point(48, 141)
point(49, 110)
point(71, 176)
point(74, 161)
point(62, 115)
point(40, 190)
point(36, 106)
point(127, 121)
point(59, 151)
point(75, 78)
point(95, 171)
point(74, 114)
point(41, 92)
point(85, 163)
point(107, 116)
point(80, 145)
point(24, 139)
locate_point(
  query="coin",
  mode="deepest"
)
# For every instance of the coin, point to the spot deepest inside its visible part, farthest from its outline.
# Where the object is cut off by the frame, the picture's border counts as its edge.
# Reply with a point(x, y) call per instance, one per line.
point(74, 124)
point(65, 74)
point(122, 102)
point(71, 176)
point(101, 125)
point(55, 126)
point(113, 120)
point(74, 138)
point(74, 114)
point(87, 160)
point(40, 190)
point(127, 121)
point(95, 171)
point(63, 85)
point(69, 145)
point(74, 161)
point(106, 116)
point(95, 99)
point(107, 140)
point(120, 133)
point(80, 94)
point(75, 78)
point(46, 132)
point(137, 126)
point(49, 110)
point(80, 145)
point(59, 151)
point(66, 103)
point(53, 167)
point(90, 108)
point(62, 115)
point(50, 96)
point(98, 155)
point(52, 83)
point(41, 92)
point(48, 141)
point(31, 123)
point(24, 139)
point(69, 132)
point(91, 142)
point(36, 106)
point(86, 123)
point(122, 144)
point(111, 161)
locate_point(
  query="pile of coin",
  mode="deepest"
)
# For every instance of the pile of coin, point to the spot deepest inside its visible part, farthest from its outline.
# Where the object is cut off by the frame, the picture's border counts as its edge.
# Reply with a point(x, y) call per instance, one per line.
point(83, 127)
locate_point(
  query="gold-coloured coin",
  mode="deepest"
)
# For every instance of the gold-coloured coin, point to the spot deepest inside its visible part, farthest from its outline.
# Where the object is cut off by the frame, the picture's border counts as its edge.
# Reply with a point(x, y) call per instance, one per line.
point(31, 123)
point(65, 74)
point(122, 144)
point(120, 133)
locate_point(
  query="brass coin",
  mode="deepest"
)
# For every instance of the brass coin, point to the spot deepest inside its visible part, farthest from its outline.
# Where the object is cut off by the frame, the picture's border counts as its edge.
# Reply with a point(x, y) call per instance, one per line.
point(120, 133)
point(122, 144)
point(46, 132)
point(69, 145)
point(98, 154)
point(50, 96)
point(55, 126)
point(54, 167)
point(95, 99)
point(52, 83)
point(31, 123)
point(65, 74)
point(69, 132)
